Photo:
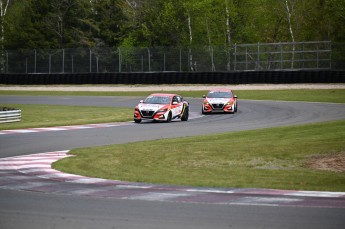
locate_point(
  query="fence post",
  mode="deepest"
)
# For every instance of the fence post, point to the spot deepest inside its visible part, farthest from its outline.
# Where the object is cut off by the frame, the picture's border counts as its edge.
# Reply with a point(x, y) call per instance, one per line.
point(72, 64)
point(6, 61)
point(35, 67)
point(317, 56)
point(97, 64)
point(212, 60)
point(246, 58)
point(119, 59)
point(330, 55)
point(281, 56)
point(235, 59)
point(63, 60)
point(50, 62)
point(149, 54)
point(90, 60)
point(258, 64)
point(303, 65)
point(180, 60)
point(142, 63)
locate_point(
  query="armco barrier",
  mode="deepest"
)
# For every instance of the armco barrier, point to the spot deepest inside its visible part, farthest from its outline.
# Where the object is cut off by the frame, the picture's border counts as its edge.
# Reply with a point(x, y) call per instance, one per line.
point(10, 115)
point(248, 77)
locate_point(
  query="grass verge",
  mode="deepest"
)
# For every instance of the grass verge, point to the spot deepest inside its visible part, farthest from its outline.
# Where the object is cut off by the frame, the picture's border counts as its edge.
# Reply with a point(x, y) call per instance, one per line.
point(267, 158)
point(49, 115)
point(310, 95)
point(54, 115)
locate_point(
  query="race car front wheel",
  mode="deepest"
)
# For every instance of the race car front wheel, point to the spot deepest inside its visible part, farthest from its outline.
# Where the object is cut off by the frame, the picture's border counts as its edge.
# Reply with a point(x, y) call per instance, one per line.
point(169, 117)
point(137, 120)
point(185, 115)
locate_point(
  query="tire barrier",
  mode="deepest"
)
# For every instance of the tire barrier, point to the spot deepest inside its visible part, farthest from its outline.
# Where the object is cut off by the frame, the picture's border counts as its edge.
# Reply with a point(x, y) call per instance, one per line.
point(248, 77)
point(10, 115)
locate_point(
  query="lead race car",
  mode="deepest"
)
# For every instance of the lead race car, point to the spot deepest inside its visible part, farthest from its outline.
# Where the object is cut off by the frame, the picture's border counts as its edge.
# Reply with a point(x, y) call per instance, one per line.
point(219, 101)
point(162, 107)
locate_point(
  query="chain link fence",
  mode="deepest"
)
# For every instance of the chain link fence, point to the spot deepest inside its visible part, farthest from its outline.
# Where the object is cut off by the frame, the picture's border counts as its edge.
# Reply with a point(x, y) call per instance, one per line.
point(238, 57)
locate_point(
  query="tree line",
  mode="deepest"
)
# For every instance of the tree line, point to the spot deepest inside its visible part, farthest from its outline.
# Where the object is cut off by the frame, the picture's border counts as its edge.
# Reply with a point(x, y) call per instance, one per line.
point(56, 24)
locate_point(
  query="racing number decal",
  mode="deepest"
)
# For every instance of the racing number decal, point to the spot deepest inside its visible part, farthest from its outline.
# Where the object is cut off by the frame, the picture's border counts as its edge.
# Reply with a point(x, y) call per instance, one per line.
point(176, 110)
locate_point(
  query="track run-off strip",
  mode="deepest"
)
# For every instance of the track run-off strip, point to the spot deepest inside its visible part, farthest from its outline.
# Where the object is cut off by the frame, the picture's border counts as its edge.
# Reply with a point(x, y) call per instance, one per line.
point(34, 173)
point(61, 128)
point(80, 127)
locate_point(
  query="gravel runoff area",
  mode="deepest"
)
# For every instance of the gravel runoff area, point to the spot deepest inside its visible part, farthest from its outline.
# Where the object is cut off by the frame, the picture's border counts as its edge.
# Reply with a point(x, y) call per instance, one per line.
point(168, 87)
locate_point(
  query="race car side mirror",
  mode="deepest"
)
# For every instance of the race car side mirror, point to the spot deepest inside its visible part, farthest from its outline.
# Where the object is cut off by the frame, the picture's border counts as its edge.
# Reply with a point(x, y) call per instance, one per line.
point(204, 96)
point(141, 101)
point(235, 96)
point(175, 103)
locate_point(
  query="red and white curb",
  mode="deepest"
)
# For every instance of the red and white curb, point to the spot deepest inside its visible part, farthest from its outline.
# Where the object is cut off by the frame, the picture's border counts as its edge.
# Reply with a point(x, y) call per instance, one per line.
point(34, 173)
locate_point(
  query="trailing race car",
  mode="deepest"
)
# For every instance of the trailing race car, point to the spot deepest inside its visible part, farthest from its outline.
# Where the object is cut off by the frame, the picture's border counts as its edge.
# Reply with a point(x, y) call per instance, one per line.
point(219, 100)
point(162, 107)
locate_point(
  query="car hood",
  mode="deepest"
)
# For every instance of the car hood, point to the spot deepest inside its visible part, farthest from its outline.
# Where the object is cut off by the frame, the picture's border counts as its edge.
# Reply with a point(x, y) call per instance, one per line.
point(150, 107)
point(218, 100)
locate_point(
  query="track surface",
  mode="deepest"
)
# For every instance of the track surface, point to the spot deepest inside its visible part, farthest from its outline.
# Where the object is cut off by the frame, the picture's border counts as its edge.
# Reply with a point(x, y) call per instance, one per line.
point(21, 209)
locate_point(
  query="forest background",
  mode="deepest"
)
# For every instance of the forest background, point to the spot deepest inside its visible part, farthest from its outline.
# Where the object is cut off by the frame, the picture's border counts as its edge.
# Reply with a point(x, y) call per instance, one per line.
point(57, 24)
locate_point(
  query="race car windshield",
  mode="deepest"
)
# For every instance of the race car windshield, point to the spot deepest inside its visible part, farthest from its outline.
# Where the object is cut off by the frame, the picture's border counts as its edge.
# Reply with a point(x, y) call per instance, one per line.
point(157, 100)
point(219, 94)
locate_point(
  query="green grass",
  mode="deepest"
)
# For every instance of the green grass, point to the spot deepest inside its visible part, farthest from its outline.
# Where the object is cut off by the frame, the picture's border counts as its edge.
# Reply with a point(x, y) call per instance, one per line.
point(310, 95)
point(45, 115)
point(53, 115)
point(324, 95)
point(266, 158)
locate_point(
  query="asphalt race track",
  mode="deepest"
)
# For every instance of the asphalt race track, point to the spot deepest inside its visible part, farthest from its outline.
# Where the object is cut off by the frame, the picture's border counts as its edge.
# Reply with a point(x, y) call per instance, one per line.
point(38, 209)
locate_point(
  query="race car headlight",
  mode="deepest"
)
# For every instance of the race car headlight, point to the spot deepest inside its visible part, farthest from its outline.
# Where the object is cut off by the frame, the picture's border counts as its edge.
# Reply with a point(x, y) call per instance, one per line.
point(230, 103)
point(162, 111)
point(206, 103)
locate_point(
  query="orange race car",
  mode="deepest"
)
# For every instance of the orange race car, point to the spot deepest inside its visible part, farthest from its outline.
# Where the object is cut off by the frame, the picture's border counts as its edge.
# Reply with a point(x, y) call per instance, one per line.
point(219, 101)
point(162, 107)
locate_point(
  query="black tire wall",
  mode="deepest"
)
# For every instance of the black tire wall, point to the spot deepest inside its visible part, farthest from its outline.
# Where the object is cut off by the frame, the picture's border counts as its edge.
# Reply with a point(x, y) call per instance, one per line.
point(252, 77)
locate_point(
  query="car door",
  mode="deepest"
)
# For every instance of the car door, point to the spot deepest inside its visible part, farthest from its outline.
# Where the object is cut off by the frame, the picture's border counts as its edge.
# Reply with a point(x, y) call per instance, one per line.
point(176, 106)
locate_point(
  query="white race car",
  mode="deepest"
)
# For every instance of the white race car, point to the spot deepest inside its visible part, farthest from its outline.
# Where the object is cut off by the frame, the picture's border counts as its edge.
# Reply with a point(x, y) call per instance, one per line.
point(162, 107)
point(219, 101)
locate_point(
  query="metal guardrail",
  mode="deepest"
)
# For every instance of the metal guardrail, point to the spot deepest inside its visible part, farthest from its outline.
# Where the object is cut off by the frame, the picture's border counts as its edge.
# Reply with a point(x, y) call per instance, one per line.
point(11, 115)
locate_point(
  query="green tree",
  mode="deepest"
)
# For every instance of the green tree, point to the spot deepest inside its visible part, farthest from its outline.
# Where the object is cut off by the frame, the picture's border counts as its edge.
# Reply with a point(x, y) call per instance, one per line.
point(49, 24)
point(109, 22)
point(155, 23)
point(25, 25)
point(33, 24)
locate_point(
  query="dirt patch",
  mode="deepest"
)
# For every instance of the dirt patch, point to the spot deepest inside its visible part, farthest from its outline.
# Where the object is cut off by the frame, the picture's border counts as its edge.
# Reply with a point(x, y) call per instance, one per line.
point(331, 162)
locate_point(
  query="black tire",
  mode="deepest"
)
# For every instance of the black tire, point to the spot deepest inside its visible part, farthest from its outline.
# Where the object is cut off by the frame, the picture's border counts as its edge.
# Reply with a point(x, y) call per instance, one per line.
point(202, 111)
point(137, 120)
point(169, 117)
point(185, 115)
point(236, 107)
